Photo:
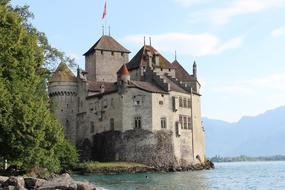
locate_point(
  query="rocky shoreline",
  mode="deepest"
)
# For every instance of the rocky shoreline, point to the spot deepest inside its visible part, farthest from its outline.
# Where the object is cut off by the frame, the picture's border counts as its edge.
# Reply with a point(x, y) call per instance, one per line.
point(61, 182)
point(65, 182)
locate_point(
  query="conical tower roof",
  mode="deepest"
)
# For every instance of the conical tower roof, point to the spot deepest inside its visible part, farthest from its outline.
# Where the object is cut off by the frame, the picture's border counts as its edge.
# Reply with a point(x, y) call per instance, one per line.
point(123, 71)
point(62, 74)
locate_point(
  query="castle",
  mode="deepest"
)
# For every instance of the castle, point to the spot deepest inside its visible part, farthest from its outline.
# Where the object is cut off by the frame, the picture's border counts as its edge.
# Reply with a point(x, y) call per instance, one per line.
point(144, 110)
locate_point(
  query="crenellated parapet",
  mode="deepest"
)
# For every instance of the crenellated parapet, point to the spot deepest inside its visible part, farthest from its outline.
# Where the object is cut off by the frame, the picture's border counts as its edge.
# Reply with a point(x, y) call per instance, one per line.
point(160, 81)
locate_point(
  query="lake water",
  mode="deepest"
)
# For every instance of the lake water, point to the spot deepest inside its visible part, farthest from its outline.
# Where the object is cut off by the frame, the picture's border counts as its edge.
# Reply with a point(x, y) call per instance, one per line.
point(238, 175)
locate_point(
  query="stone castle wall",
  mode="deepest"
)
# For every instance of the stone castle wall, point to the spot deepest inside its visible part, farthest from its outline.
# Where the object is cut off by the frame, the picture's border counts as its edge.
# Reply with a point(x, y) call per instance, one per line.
point(63, 96)
point(103, 65)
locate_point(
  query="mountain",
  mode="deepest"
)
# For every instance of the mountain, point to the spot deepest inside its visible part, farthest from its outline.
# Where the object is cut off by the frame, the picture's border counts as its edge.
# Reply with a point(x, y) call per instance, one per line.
point(261, 135)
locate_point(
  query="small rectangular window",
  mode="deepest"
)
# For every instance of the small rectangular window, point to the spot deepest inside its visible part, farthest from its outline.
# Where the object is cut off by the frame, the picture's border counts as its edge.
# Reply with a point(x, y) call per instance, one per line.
point(180, 101)
point(122, 53)
point(112, 124)
point(189, 123)
point(92, 127)
point(163, 123)
point(181, 121)
point(112, 53)
point(189, 103)
point(184, 103)
point(184, 122)
point(138, 123)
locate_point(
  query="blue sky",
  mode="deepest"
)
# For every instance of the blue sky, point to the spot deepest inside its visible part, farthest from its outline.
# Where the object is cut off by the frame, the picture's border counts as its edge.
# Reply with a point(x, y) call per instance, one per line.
point(239, 45)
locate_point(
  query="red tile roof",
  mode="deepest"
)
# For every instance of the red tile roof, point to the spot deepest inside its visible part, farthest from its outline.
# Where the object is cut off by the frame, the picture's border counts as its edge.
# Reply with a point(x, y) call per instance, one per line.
point(140, 59)
point(181, 74)
point(94, 86)
point(107, 43)
point(148, 86)
point(123, 71)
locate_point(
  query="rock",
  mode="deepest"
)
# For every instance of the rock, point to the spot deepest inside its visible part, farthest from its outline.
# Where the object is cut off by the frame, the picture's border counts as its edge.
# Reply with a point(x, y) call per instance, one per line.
point(85, 186)
point(10, 188)
point(64, 182)
point(3, 179)
point(17, 182)
point(33, 183)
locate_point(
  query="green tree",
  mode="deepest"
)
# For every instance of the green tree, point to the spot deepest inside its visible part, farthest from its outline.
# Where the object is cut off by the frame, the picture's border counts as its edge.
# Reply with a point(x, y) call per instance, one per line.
point(29, 133)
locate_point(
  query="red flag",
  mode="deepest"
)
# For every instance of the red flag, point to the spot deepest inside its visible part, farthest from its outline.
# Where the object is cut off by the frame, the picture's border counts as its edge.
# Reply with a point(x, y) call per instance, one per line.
point(105, 11)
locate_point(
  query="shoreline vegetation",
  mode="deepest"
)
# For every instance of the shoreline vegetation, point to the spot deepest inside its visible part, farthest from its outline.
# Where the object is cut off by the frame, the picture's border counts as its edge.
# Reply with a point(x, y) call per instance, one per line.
point(244, 158)
point(92, 167)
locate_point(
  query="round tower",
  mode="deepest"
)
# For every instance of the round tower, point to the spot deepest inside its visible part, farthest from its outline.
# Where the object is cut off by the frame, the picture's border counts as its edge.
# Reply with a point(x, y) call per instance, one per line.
point(62, 90)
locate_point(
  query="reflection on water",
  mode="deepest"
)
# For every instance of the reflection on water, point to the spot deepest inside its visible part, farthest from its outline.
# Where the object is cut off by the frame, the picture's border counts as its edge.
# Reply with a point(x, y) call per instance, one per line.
point(246, 175)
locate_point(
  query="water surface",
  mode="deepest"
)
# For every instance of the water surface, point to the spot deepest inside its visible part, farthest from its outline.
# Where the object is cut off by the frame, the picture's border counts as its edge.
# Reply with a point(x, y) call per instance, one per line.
point(238, 175)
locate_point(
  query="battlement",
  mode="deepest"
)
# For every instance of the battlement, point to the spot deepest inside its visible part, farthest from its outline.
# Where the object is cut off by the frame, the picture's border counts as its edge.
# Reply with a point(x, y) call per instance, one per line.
point(186, 87)
point(160, 81)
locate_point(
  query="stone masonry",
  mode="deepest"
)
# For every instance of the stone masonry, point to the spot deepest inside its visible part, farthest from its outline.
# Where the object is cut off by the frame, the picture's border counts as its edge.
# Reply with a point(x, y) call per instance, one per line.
point(144, 110)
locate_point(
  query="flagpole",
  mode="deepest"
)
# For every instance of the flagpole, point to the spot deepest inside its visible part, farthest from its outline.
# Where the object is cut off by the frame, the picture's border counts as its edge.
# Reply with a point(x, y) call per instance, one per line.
point(104, 18)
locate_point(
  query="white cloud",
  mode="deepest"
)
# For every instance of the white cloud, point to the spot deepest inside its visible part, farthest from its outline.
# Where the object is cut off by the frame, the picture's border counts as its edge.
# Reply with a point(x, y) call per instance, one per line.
point(244, 97)
point(189, 44)
point(235, 8)
point(274, 82)
point(277, 32)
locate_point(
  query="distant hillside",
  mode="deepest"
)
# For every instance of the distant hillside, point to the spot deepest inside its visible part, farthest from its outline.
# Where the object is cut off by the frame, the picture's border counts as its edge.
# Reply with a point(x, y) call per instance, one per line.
point(262, 135)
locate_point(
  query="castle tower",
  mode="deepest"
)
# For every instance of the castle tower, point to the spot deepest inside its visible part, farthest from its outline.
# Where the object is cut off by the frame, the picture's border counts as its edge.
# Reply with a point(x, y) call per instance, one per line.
point(104, 59)
point(123, 78)
point(62, 90)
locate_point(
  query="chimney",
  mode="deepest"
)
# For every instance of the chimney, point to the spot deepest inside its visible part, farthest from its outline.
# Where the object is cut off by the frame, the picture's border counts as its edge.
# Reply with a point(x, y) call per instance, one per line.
point(156, 59)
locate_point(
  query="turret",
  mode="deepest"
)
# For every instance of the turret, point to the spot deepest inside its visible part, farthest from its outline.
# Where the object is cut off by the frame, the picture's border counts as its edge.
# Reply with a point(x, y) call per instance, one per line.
point(123, 74)
point(195, 70)
point(62, 90)
point(104, 58)
point(123, 79)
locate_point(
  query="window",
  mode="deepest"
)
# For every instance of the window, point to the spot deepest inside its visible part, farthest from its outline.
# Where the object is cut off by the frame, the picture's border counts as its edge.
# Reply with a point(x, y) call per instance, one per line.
point(91, 107)
point(138, 100)
point(112, 53)
point(92, 127)
point(189, 123)
point(112, 124)
point(184, 103)
point(102, 52)
point(180, 101)
point(189, 103)
point(163, 123)
point(138, 123)
point(169, 69)
point(184, 122)
point(122, 53)
point(181, 121)
point(160, 102)
point(161, 69)
point(67, 124)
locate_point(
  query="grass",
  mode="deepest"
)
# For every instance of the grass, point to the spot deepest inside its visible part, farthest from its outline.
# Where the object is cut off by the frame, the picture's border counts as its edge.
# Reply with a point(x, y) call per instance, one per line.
point(92, 166)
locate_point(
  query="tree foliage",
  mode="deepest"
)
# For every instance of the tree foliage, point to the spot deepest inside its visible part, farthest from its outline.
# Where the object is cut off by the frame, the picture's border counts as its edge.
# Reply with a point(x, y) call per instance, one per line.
point(29, 134)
